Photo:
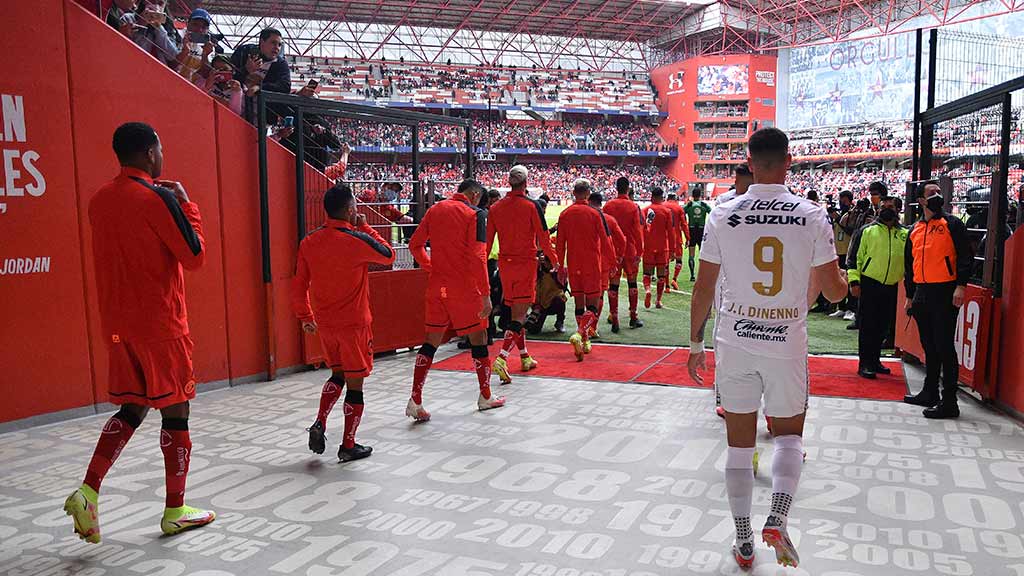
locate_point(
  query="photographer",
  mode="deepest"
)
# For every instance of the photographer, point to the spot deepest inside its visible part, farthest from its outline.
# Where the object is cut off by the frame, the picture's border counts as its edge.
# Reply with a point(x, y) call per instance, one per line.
point(196, 47)
point(938, 261)
point(150, 28)
point(861, 214)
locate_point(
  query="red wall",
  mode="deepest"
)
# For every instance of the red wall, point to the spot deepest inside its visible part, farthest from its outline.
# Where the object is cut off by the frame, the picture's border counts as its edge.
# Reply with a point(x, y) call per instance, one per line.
point(678, 101)
point(51, 349)
point(1010, 377)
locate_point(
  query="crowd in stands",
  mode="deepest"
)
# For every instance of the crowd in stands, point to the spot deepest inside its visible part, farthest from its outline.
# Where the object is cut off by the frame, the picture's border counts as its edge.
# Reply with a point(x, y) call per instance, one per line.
point(721, 109)
point(720, 151)
point(398, 81)
point(734, 131)
point(574, 134)
point(832, 182)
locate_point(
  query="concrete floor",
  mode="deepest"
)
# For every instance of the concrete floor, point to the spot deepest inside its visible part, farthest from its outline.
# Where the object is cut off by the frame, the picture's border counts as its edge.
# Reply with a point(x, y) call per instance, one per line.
point(573, 478)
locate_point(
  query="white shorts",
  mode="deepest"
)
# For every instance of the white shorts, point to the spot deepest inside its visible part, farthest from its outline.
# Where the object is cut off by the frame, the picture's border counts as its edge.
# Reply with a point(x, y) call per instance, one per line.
point(741, 378)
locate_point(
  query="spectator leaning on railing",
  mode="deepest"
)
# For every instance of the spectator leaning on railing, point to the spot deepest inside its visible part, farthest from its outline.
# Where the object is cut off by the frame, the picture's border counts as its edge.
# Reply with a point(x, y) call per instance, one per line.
point(262, 64)
point(149, 27)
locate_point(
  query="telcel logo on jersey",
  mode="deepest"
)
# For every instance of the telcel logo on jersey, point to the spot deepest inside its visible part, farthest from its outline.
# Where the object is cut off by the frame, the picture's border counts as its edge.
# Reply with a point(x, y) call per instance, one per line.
point(761, 332)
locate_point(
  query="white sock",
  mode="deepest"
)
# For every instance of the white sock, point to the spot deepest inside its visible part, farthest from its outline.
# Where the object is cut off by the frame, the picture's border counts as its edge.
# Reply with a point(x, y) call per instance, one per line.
point(786, 465)
point(739, 484)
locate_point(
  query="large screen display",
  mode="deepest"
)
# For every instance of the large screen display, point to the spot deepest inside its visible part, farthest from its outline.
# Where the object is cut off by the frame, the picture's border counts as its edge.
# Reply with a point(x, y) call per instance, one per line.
point(723, 80)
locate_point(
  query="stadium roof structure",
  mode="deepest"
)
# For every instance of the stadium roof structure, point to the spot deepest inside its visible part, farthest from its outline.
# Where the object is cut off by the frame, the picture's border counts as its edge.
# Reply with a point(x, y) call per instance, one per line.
point(649, 31)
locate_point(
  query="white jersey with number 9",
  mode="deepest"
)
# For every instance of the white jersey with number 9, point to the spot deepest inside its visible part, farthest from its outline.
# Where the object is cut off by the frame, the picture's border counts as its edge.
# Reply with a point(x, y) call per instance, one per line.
point(766, 241)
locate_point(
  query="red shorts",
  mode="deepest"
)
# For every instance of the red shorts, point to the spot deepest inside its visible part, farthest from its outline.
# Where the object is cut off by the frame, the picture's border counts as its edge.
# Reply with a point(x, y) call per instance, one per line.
point(349, 349)
point(606, 280)
point(656, 259)
point(460, 312)
point(154, 374)
point(630, 268)
point(518, 282)
point(585, 283)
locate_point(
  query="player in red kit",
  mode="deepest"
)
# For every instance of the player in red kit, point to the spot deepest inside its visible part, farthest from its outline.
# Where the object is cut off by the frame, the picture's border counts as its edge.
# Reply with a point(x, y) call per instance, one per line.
point(680, 236)
point(627, 214)
point(458, 292)
point(582, 234)
point(612, 253)
point(657, 240)
point(330, 295)
point(144, 231)
point(519, 224)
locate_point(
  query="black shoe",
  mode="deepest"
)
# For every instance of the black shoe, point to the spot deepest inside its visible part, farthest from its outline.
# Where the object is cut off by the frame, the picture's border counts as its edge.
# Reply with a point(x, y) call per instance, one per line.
point(357, 452)
point(922, 399)
point(866, 373)
point(693, 278)
point(615, 327)
point(317, 438)
point(853, 326)
point(636, 323)
point(943, 410)
point(464, 345)
point(881, 369)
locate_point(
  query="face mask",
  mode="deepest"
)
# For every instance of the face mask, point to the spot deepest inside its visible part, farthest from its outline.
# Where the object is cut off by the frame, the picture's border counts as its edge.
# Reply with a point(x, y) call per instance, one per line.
point(887, 215)
point(934, 203)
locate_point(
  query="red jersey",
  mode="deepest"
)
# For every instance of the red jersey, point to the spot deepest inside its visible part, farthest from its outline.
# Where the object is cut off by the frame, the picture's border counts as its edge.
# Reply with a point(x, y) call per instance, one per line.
point(681, 229)
point(627, 214)
point(519, 223)
point(582, 235)
point(331, 272)
point(141, 238)
point(618, 243)
point(660, 224)
point(457, 232)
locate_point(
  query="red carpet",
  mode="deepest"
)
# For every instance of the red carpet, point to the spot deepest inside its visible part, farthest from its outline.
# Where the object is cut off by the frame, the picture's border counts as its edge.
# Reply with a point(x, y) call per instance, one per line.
point(647, 365)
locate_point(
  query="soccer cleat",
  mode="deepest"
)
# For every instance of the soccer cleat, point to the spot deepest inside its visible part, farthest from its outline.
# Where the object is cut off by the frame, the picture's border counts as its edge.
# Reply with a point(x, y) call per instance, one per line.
point(611, 319)
point(775, 535)
point(636, 323)
point(177, 520)
point(83, 507)
point(675, 285)
point(744, 554)
point(317, 438)
point(658, 305)
point(757, 460)
point(416, 412)
point(647, 300)
point(838, 314)
point(489, 403)
point(587, 347)
point(693, 278)
point(848, 316)
point(615, 327)
point(577, 346)
point(720, 412)
point(356, 452)
point(528, 363)
point(500, 367)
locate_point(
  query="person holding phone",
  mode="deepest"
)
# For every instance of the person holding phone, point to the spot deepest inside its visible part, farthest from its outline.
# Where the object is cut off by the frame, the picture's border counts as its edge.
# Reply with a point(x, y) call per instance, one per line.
point(263, 64)
point(151, 29)
point(196, 47)
point(221, 84)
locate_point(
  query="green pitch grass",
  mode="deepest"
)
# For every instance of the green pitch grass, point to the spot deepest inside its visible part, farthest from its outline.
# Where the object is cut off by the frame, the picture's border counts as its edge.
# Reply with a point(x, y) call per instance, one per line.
point(670, 326)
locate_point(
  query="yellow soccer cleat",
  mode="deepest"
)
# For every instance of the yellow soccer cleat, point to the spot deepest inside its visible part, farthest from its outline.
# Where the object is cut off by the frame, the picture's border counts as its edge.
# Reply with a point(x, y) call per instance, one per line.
point(586, 347)
point(528, 363)
point(500, 367)
point(83, 507)
point(577, 346)
point(178, 520)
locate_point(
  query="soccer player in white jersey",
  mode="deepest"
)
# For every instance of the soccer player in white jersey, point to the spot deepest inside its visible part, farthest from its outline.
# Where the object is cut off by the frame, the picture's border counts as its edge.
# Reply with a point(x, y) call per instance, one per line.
point(769, 246)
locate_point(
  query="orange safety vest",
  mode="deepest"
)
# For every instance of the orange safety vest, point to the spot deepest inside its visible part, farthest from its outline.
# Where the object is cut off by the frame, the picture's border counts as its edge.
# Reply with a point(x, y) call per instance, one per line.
point(934, 252)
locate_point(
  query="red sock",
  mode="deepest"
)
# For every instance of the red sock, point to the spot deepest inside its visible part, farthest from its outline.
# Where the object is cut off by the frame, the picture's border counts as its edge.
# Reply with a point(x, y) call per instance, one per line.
point(647, 283)
point(508, 344)
point(661, 287)
point(613, 303)
point(634, 297)
point(328, 396)
point(589, 324)
point(353, 414)
point(177, 448)
point(581, 327)
point(521, 343)
point(419, 376)
point(116, 434)
point(482, 365)
point(600, 308)
point(679, 266)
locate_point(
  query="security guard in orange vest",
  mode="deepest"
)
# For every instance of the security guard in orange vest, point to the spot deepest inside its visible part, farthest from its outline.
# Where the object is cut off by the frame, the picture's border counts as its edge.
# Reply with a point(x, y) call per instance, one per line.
point(938, 264)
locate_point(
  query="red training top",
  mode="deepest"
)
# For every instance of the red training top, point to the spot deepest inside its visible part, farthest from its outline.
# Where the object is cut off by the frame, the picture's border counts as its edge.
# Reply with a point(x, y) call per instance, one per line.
point(331, 272)
point(618, 242)
point(141, 238)
point(660, 224)
point(627, 214)
point(582, 235)
point(521, 229)
point(457, 233)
